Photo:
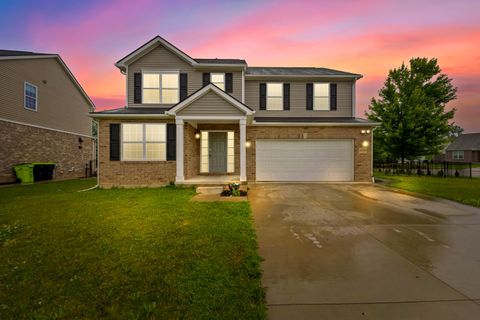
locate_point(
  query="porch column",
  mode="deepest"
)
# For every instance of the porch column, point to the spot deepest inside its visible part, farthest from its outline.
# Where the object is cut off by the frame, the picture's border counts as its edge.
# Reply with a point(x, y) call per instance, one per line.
point(243, 151)
point(179, 156)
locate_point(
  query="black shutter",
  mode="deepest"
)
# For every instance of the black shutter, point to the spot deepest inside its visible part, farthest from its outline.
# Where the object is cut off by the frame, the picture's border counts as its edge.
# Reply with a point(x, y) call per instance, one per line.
point(229, 82)
point(171, 141)
point(114, 142)
point(309, 96)
point(206, 78)
point(286, 96)
point(137, 87)
point(183, 86)
point(263, 96)
point(333, 96)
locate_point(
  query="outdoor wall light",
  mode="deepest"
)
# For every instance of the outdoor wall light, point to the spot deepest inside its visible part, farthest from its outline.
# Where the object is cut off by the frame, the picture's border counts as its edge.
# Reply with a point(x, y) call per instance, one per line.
point(197, 135)
point(248, 144)
point(365, 131)
point(365, 143)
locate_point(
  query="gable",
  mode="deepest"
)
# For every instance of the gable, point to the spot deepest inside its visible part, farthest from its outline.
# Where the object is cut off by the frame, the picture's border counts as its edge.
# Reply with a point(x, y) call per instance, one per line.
point(159, 57)
point(210, 104)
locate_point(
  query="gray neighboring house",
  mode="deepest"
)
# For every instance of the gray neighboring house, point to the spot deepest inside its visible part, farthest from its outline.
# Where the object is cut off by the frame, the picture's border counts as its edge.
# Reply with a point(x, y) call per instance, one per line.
point(465, 148)
point(191, 121)
point(43, 115)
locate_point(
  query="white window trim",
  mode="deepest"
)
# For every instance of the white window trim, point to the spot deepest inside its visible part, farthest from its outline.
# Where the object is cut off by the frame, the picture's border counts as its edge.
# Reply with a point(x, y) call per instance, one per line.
point(160, 72)
point(315, 107)
point(25, 96)
point(267, 96)
point(457, 153)
point(218, 73)
point(143, 142)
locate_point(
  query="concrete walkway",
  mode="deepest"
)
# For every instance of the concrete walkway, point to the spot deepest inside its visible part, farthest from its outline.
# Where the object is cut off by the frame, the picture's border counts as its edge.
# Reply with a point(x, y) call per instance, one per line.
point(336, 251)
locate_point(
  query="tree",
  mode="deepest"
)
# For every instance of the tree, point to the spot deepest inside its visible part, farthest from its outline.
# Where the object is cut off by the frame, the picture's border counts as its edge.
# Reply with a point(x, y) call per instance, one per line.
point(411, 109)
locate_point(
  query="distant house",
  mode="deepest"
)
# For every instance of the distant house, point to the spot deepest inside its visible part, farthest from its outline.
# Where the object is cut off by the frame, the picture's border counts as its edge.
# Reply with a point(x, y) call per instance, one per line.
point(466, 148)
point(43, 115)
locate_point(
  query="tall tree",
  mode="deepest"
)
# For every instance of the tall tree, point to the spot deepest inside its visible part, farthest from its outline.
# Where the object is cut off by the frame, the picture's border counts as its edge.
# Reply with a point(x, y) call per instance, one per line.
point(411, 108)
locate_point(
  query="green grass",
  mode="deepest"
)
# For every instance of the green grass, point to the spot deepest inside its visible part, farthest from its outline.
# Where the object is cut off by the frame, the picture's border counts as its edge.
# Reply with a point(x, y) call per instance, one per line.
point(125, 254)
point(462, 190)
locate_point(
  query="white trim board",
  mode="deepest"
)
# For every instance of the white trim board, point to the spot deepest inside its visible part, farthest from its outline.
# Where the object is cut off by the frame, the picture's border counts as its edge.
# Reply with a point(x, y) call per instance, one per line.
point(46, 128)
point(314, 124)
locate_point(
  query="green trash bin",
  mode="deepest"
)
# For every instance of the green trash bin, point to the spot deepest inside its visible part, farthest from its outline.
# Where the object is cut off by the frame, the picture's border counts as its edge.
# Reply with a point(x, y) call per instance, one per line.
point(24, 172)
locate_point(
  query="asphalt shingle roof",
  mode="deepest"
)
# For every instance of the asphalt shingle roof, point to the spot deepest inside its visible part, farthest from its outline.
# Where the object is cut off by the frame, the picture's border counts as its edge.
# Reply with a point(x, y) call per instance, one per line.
point(297, 71)
point(312, 119)
point(221, 61)
point(469, 141)
point(11, 53)
point(134, 111)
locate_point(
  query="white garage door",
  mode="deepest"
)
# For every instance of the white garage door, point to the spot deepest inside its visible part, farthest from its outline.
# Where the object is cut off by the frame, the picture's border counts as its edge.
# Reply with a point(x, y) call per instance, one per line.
point(304, 160)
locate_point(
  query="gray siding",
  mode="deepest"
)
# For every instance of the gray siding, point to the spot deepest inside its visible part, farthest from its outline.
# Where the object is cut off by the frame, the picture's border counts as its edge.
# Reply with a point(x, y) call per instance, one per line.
point(298, 99)
point(210, 105)
point(162, 59)
point(61, 106)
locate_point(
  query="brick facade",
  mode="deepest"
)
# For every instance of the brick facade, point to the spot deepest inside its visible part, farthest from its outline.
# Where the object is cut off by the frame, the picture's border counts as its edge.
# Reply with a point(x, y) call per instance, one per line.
point(130, 173)
point(23, 143)
point(362, 155)
point(156, 173)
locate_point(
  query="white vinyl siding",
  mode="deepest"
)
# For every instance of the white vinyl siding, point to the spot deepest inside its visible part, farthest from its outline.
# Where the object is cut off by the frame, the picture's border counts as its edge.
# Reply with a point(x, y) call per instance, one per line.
point(218, 79)
point(274, 96)
point(30, 96)
point(144, 142)
point(458, 155)
point(160, 87)
point(304, 160)
point(321, 96)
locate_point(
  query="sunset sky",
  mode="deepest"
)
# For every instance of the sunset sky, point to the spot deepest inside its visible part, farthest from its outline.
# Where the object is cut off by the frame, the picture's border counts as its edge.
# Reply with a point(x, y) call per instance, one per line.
point(368, 37)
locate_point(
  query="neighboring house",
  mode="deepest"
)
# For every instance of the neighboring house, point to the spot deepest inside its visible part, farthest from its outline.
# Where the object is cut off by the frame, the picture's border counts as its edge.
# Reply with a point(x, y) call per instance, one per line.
point(188, 118)
point(43, 115)
point(465, 148)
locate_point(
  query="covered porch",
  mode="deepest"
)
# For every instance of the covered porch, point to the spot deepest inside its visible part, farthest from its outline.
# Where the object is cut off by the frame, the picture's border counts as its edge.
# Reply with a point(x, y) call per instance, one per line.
point(211, 138)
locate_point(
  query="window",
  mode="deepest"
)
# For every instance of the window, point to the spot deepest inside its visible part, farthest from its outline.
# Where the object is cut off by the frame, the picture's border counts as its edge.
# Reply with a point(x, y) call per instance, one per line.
point(31, 94)
point(321, 96)
point(458, 155)
point(274, 96)
point(160, 87)
point(144, 142)
point(218, 79)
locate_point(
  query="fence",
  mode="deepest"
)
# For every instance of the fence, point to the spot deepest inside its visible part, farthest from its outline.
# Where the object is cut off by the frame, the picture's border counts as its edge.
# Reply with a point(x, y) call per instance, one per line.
point(431, 168)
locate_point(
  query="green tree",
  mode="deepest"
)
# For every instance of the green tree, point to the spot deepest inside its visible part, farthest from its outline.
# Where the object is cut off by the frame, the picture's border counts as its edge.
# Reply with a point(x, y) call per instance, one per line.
point(411, 108)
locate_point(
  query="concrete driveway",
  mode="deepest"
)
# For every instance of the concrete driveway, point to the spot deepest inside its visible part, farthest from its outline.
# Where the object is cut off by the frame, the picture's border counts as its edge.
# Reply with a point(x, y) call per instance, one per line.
point(337, 251)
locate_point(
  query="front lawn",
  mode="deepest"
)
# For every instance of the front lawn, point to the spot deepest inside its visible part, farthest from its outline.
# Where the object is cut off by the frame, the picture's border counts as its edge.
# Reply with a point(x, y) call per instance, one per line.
point(462, 190)
point(125, 254)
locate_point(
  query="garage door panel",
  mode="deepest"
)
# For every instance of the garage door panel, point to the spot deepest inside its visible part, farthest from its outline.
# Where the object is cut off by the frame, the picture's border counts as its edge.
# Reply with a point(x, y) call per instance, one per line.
point(304, 160)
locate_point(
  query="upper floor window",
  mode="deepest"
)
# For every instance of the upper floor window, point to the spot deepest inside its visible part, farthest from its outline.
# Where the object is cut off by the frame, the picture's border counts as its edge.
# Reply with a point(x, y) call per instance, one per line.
point(321, 96)
point(160, 87)
point(218, 79)
point(31, 96)
point(274, 96)
point(458, 155)
point(144, 142)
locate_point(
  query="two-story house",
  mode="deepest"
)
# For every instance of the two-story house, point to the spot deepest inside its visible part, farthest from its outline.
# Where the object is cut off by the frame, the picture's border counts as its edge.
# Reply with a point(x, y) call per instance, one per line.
point(188, 119)
point(43, 115)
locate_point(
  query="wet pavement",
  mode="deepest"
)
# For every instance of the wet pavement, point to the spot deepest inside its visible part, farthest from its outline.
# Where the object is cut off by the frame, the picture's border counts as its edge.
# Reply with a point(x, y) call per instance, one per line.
point(338, 251)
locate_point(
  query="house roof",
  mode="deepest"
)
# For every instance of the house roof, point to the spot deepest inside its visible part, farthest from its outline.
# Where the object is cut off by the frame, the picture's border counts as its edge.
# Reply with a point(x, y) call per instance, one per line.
point(15, 54)
point(314, 120)
point(133, 110)
point(469, 141)
point(222, 61)
point(297, 71)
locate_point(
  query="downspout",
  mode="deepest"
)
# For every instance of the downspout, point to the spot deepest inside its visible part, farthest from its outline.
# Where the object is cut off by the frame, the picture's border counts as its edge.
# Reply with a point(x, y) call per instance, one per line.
point(97, 166)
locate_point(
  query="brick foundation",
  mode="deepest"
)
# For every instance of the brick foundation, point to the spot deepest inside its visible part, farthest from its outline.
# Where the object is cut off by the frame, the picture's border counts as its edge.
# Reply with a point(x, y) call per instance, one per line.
point(22, 143)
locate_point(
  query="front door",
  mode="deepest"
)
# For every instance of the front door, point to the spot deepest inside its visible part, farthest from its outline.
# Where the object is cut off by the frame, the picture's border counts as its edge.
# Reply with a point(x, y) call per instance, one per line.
point(217, 142)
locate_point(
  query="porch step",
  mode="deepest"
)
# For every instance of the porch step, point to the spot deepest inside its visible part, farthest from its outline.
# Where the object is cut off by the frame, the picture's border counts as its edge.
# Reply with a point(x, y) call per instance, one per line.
point(210, 190)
